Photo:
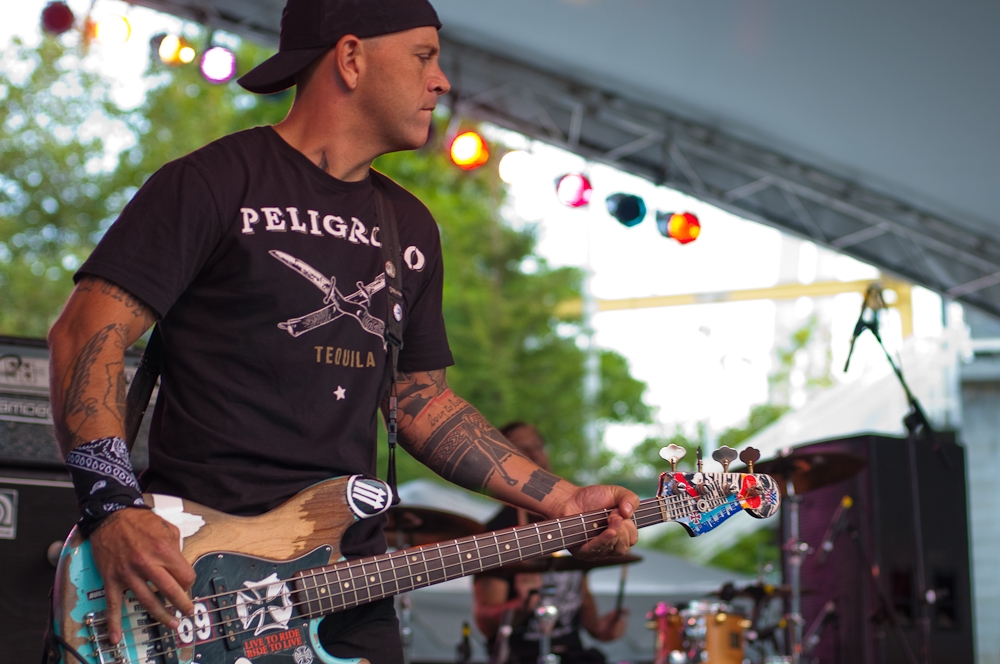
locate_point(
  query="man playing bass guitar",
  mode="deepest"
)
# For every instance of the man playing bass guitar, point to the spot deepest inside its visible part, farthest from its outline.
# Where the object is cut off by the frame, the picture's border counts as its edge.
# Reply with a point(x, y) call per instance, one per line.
point(260, 259)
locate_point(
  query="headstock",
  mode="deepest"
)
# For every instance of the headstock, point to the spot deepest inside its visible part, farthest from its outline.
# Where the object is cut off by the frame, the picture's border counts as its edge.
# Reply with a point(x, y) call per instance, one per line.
point(700, 501)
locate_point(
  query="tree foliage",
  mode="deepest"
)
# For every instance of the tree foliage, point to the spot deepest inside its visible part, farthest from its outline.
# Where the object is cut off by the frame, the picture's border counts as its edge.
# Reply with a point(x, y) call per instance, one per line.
point(515, 358)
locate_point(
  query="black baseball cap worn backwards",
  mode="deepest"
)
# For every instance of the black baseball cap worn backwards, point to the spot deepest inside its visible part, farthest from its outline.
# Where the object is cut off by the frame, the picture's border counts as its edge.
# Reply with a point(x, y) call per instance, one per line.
point(309, 28)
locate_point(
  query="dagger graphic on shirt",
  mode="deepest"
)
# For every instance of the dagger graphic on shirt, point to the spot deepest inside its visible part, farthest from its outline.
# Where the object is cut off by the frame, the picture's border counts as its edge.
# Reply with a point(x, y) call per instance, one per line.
point(354, 305)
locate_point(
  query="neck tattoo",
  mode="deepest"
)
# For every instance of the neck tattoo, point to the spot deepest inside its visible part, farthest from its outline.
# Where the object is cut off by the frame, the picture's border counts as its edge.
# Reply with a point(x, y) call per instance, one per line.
point(323, 163)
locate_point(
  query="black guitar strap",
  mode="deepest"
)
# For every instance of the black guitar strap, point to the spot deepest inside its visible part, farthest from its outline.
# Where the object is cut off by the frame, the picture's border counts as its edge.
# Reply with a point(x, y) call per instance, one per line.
point(141, 388)
point(391, 255)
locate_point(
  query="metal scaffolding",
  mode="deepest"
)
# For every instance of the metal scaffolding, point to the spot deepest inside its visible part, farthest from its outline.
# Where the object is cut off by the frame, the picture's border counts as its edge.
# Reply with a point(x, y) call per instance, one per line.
point(748, 180)
point(943, 254)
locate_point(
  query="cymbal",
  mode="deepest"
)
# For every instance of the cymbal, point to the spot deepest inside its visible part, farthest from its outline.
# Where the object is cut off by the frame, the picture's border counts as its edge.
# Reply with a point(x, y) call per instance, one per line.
point(414, 526)
point(810, 470)
point(757, 591)
point(561, 561)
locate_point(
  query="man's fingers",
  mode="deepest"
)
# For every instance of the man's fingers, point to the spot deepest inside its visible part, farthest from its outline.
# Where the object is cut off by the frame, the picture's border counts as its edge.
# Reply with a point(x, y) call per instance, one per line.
point(113, 611)
point(176, 594)
point(153, 606)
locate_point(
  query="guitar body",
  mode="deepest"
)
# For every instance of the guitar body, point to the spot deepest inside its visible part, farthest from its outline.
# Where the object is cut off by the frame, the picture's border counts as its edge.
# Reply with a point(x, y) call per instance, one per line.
point(245, 559)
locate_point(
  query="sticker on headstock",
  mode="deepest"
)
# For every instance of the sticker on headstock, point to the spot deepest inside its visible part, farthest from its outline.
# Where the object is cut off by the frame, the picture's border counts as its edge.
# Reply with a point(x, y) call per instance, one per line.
point(368, 496)
point(759, 496)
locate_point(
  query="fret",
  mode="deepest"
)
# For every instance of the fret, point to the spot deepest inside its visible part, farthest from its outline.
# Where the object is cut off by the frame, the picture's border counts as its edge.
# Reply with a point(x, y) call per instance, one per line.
point(506, 543)
point(324, 593)
point(479, 555)
point(312, 596)
point(361, 582)
point(450, 563)
point(547, 540)
point(489, 554)
point(416, 569)
point(465, 557)
point(529, 544)
point(373, 578)
point(562, 536)
point(387, 566)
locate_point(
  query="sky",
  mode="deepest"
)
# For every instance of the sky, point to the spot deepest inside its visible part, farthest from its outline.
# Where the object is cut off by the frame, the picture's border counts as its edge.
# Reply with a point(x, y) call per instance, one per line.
point(702, 363)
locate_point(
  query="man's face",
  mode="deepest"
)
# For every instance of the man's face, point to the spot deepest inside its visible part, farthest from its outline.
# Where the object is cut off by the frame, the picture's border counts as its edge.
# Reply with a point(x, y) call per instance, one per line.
point(531, 444)
point(402, 85)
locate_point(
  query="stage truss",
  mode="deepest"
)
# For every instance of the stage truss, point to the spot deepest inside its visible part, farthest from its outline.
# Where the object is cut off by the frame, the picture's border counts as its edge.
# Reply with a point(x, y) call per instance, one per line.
point(940, 253)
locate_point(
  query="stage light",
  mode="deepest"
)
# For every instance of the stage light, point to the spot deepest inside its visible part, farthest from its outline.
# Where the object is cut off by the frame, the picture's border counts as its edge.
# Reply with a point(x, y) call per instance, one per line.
point(683, 227)
point(112, 30)
point(218, 64)
point(469, 151)
point(628, 209)
point(174, 50)
point(57, 18)
point(574, 190)
point(515, 165)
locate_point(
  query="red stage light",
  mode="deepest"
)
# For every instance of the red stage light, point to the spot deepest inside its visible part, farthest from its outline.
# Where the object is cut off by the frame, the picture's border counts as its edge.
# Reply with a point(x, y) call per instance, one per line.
point(469, 151)
point(574, 190)
point(683, 227)
point(57, 18)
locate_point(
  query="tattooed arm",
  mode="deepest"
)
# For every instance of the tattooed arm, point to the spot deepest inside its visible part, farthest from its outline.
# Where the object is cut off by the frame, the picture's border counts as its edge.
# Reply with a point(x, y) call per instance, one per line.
point(87, 386)
point(449, 436)
point(87, 367)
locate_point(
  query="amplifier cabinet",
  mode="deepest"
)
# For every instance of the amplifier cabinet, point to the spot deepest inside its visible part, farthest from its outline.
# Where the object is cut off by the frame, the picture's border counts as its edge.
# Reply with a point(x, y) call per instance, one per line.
point(26, 433)
point(37, 511)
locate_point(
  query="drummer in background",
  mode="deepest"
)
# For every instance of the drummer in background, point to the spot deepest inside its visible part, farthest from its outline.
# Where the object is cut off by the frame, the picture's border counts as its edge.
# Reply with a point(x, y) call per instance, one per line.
point(495, 596)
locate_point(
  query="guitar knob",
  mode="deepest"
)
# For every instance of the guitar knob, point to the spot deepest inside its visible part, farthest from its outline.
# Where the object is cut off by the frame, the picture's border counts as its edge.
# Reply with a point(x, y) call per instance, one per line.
point(750, 456)
point(672, 453)
point(725, 455)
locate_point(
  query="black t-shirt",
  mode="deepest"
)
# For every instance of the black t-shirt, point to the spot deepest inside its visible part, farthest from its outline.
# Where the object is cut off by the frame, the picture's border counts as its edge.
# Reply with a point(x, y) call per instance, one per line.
point(268, 279)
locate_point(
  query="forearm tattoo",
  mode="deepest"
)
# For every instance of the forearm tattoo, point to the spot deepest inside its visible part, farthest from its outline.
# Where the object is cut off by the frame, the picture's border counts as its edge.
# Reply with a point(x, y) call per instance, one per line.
point(539, 485)
point(415, 390)
point(466, 450)
point(462, 446)
point(92, 386)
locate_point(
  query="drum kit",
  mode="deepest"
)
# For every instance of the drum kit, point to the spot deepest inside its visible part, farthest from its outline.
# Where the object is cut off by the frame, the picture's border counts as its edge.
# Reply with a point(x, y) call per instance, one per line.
point(717, 630)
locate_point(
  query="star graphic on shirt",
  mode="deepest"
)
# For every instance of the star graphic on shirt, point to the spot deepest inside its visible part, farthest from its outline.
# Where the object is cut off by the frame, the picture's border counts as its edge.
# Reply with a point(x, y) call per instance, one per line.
point(340, 392)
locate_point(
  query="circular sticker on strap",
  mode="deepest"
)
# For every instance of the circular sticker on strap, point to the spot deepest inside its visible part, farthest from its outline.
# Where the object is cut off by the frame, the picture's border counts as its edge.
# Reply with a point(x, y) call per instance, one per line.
point(397, 312)
point(390, 269)
point(368, 496)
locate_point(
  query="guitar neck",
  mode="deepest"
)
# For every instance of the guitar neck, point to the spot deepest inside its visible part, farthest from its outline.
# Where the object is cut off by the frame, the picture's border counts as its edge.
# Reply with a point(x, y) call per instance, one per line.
point(347, 584)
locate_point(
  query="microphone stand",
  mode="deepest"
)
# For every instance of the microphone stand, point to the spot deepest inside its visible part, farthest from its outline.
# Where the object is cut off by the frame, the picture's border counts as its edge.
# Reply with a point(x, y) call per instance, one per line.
point(917, 425)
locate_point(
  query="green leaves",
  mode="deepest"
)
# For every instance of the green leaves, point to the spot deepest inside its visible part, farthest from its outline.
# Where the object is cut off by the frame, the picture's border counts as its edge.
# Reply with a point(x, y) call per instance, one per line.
point(61, 185)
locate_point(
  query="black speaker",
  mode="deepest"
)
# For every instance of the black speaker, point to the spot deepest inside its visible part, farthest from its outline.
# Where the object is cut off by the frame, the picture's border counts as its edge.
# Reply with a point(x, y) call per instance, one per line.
point(37, 511)
point(860, 602)
point(37, 501)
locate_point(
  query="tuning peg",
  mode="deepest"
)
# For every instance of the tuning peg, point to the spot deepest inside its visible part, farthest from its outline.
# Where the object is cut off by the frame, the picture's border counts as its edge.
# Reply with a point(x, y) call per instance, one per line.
point(673, 454)
point(700, 462)
point(749, 456)
point(725, 455)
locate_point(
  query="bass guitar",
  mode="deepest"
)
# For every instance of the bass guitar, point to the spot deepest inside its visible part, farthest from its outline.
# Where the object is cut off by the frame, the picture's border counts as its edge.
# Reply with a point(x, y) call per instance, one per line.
point(264, 583)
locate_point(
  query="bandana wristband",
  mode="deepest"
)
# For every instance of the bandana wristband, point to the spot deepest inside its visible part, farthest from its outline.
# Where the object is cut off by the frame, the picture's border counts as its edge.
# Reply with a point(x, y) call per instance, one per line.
point(104, 481)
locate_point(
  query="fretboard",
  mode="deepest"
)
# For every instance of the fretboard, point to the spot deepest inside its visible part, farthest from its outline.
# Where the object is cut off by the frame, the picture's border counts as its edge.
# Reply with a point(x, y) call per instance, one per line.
point(347, 584)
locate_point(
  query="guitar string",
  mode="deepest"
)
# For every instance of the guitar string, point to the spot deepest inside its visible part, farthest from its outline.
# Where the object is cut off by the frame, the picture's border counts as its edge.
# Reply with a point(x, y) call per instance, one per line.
point(348, 604)
point(648, 507)
point(651, 506)
point(356, 601)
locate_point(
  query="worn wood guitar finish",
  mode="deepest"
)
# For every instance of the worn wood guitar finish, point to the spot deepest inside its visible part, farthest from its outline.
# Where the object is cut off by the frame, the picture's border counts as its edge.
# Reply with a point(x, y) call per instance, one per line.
point(264, 583)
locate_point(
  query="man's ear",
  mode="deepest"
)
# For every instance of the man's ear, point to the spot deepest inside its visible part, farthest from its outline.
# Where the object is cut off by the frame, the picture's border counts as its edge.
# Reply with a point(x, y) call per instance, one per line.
point(347, 63)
